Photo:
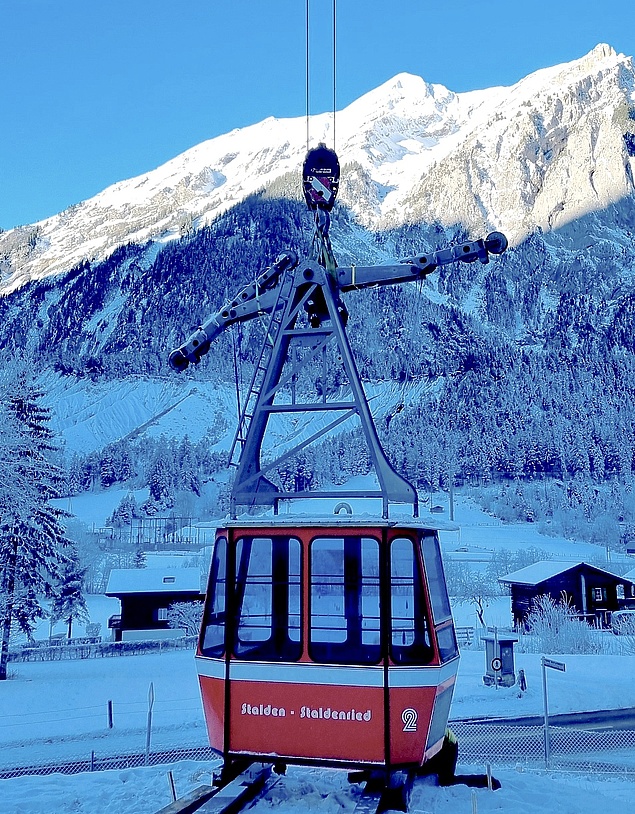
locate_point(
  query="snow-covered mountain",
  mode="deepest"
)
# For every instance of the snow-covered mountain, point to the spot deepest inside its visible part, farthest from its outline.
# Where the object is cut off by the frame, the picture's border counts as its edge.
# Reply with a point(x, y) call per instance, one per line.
point(542, 153)
point(523, 365)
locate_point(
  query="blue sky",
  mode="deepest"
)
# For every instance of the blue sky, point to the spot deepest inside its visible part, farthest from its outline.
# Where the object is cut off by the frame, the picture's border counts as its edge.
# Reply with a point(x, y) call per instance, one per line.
point(95, 92)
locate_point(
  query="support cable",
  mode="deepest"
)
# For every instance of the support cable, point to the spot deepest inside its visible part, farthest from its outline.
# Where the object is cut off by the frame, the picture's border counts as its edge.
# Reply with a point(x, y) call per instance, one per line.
point(308, 69)
point(237, 368)
point(334, 68)
point(307, 59)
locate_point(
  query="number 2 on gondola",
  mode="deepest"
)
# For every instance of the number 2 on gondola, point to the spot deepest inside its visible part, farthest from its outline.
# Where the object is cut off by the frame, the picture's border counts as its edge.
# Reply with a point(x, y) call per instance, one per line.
point(409, 717)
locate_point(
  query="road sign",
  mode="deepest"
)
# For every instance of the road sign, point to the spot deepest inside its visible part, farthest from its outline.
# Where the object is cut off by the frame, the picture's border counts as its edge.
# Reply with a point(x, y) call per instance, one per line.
point(555, 665)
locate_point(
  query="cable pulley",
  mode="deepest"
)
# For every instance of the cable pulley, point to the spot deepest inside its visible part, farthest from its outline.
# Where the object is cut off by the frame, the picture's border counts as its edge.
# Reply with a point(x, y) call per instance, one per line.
point(320, 178)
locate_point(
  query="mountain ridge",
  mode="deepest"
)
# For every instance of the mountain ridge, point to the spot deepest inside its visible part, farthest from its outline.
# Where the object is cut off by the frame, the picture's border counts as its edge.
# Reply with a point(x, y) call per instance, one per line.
point(483, 159)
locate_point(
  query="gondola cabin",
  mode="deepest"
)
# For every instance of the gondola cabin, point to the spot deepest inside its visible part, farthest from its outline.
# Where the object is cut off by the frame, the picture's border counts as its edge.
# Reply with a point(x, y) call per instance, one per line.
point(327, 641)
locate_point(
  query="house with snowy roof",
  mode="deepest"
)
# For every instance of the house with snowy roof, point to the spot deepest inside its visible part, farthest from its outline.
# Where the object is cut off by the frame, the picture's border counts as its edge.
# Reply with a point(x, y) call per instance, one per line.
point(145, 595)
point(594, 592)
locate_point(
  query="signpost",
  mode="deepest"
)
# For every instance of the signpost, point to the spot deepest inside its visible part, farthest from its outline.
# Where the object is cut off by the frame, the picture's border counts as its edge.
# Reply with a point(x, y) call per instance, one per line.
point(553, 665)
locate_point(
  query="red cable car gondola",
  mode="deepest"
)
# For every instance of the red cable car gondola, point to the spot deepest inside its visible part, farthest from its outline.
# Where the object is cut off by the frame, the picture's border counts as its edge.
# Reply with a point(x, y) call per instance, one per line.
point(327, 641)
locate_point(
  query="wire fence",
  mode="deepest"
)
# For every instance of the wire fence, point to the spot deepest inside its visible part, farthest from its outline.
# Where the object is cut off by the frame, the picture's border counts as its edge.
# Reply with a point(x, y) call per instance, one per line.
point(571, 750)
point(96, 761)
point(602, 751)
point(171, 733)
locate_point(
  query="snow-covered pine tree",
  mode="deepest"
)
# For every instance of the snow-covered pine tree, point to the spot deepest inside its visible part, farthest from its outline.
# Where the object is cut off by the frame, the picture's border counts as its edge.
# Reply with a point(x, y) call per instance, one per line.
point(125, 512)
point(32, 539)
point(107, 471)
point(161, 478)
point(68, 603)
point(140, 559)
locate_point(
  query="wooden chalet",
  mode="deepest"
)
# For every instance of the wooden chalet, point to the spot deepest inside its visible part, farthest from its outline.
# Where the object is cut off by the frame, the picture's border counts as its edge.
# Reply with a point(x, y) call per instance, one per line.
point(145, 595)
point(594, 592)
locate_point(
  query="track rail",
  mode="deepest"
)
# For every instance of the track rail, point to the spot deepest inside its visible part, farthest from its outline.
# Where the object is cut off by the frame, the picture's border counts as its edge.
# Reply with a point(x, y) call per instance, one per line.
point(380, 793)
point(228, 798)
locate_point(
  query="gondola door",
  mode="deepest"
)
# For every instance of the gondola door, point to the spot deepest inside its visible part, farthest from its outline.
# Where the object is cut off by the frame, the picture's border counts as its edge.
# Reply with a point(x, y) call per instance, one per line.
point(264, 640)
point(306, 679)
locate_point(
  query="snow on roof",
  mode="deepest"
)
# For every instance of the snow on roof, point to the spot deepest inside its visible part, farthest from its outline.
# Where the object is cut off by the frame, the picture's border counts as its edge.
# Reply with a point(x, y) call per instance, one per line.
point(544, 570)
point(153, 581)
point(362, 520)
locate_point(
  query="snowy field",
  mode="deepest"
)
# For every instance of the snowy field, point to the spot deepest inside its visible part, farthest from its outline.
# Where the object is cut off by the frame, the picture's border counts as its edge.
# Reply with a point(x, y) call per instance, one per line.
point(145, 791)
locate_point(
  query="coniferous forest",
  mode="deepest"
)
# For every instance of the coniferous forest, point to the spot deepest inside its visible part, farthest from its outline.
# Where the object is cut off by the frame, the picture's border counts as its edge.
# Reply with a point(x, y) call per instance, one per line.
point(516, 370)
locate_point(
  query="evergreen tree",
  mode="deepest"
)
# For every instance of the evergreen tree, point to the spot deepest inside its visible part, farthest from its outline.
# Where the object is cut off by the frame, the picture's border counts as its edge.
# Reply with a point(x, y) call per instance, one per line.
point(140, 559)
point(125, 512)
point(68, 603)
point(107, 471)
point(32, 539)
point(160, 481)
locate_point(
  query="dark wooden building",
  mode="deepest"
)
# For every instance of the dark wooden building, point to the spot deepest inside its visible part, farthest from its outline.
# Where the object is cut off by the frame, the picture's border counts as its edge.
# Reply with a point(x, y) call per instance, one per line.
point(592, 591)
point(145, 595)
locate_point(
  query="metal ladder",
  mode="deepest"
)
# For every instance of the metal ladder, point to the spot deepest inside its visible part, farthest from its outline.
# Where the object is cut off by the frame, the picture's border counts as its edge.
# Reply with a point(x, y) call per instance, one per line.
point(271, 335)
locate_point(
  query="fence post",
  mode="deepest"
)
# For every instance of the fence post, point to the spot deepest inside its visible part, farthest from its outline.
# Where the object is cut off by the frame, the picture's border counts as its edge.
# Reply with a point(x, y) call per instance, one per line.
point(149, 728)
point(172, 786)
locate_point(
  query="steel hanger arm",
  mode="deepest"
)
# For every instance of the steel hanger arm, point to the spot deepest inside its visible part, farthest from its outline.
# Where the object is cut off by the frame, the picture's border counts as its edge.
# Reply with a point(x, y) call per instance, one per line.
point(253, 300)
point(261, 296)
point(414, 268)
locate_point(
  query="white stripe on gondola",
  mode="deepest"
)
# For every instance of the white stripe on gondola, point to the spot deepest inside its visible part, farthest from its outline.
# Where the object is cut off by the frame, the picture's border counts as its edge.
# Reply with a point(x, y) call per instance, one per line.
point(210, 668)
point(284, 673)
point(422, 676)
point(320, 674)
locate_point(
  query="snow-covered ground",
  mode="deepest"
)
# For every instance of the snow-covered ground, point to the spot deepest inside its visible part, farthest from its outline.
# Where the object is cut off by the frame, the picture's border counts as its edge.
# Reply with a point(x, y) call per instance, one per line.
point(479, 534)
point(146, 790)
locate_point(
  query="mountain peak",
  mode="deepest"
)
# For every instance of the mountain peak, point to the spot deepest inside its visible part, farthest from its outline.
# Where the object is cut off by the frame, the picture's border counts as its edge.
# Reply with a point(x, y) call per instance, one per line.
point(602, 51)
point(408, 85)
